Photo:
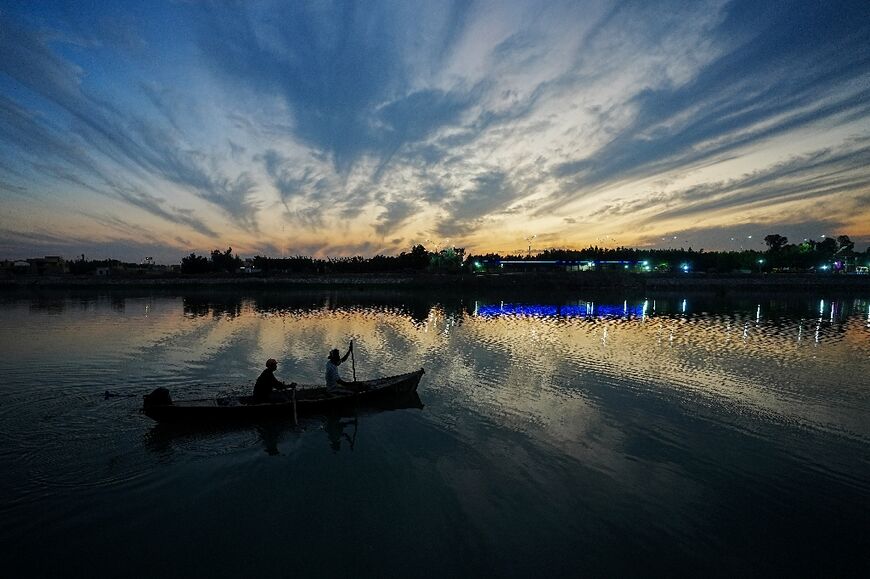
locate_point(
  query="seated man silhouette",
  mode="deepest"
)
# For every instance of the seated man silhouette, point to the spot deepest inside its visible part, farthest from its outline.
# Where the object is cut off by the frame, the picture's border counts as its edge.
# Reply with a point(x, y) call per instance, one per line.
point(264, 389)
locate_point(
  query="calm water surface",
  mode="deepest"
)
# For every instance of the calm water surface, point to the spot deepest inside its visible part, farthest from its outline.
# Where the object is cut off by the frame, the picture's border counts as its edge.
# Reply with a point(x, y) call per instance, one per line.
point(575, 436)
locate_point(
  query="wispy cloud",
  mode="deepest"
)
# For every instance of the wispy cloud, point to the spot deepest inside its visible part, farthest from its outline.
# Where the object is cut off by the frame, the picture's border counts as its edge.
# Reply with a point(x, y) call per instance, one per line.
point(811, 176)
point(769, 78)
point(394, 215)
point(105, 135)
point(157, 206)
point(267, 121)
point(489, 194)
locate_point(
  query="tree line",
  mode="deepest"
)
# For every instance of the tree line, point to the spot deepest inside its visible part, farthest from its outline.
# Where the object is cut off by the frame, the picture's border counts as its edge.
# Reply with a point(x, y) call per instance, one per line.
point(418, 259)
point(809, 255)
point(830, 254)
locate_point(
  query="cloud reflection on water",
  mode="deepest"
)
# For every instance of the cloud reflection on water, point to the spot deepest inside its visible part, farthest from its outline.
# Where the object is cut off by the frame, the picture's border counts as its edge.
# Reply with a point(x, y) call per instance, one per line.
point(627, 431)
point(533, 363)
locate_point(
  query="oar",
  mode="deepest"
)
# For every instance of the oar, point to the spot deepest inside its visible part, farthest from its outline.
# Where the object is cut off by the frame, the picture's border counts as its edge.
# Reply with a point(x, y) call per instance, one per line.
point(295, 418)
point(355, 428)
point(352, 361)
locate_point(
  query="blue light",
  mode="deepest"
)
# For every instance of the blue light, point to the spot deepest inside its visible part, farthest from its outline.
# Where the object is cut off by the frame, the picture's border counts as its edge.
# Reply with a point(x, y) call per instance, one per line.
point(553, 311)
point(517, 310)
point(573, 311)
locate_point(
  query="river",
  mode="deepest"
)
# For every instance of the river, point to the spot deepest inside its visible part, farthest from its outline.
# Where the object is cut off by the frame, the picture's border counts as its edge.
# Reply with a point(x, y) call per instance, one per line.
point(572, 435)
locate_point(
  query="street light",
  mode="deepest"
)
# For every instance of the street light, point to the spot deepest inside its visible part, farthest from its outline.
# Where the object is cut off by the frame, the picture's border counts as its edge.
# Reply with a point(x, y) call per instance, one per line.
point(760, 264)
point(529, 239)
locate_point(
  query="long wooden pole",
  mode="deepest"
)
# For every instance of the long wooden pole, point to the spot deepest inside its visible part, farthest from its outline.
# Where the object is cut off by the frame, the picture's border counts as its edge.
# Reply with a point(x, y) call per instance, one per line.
point(352, 361)
point(295, 418)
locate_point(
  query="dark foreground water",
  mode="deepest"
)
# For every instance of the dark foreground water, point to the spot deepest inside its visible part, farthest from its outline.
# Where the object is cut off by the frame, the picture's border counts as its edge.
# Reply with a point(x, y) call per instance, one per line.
point(573, 436)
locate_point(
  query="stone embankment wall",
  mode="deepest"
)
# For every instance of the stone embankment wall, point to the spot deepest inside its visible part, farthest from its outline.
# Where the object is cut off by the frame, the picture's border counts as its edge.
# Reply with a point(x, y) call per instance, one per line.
point(539, 281)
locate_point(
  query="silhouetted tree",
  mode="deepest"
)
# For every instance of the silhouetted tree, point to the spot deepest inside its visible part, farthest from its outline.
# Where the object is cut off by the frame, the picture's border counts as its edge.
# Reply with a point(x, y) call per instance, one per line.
point(194, 263)
point(447, 260)
point(775, 242)
point(826, 248)
point(806, 256)
point(844, 244)
point(419, 257)
point(225, 261)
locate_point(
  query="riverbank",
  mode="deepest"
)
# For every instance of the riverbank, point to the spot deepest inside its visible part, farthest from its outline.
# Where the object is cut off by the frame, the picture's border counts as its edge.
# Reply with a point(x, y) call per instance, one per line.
point(539, 281)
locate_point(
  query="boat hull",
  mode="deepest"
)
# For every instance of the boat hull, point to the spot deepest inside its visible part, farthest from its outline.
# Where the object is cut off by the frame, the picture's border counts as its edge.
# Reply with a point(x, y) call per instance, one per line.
point(310, 401)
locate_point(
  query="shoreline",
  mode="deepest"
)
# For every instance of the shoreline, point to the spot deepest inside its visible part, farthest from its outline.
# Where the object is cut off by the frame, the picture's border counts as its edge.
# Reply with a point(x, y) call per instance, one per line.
point(414, 281)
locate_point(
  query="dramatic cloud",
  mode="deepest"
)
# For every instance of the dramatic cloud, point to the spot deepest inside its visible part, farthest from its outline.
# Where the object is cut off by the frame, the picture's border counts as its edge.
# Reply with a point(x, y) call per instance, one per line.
point(395, 214)
point(807, 177)
point(341, 128)
point(488, 193)
point(155, 206)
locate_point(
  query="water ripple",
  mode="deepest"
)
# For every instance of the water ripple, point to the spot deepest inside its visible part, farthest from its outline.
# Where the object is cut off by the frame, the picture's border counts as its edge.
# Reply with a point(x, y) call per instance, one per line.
point(649, 422)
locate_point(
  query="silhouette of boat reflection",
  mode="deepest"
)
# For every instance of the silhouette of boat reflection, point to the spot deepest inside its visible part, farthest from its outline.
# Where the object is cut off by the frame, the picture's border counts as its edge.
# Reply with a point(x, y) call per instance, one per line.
point(307, 401)
point(163, 437)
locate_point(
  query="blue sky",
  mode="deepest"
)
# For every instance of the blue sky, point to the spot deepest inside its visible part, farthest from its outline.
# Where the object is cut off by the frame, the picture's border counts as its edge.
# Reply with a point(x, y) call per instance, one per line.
point(333, 128)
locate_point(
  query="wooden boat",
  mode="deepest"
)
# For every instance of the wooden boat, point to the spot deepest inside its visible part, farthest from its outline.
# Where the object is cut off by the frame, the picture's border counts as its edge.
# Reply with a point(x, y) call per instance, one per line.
point(310, 400)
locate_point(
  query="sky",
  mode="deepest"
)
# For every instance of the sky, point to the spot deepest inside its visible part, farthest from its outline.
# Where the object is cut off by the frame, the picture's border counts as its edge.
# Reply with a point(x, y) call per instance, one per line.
point(134, 129)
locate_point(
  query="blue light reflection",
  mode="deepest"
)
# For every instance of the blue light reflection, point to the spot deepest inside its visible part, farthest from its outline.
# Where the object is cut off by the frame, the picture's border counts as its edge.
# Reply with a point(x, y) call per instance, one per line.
point(564, 311)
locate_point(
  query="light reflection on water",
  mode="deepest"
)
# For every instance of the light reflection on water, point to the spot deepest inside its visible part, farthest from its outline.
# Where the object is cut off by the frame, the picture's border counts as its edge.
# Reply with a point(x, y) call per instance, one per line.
point(555, 431)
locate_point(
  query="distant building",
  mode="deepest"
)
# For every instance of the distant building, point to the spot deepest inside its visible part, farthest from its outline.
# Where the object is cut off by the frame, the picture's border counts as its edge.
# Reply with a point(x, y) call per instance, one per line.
point(248, 267)
point(616, 264)
point(540, 265)
point(7, 268)
point(507, 265)
point(48, 265)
